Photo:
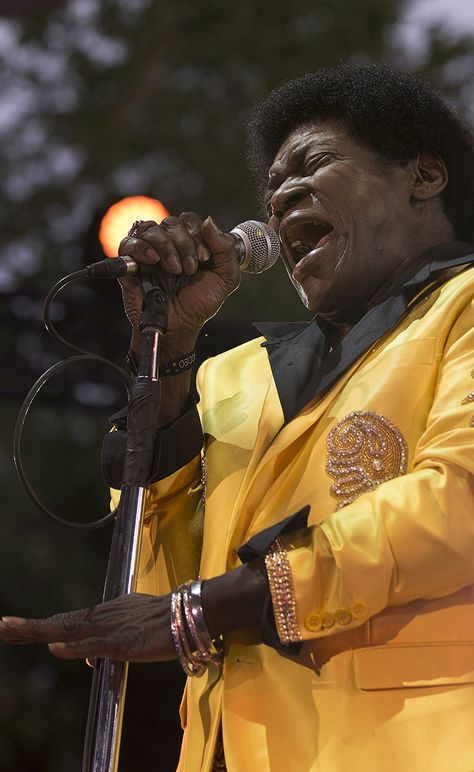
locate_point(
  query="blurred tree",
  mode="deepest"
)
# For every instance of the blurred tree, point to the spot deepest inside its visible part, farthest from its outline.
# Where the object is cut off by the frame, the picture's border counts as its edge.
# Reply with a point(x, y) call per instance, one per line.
point(101, 100)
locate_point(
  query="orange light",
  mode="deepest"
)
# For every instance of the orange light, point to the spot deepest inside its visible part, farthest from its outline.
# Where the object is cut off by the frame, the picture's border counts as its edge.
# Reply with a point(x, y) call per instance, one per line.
point(120, 217)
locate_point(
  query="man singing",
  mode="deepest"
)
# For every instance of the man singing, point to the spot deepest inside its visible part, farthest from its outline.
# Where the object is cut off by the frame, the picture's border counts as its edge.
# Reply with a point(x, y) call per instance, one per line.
point(308, 552)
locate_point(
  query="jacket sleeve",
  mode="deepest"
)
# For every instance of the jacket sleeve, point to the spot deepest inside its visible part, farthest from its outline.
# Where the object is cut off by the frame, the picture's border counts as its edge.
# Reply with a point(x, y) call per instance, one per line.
point(172, 532)
point(412, 537)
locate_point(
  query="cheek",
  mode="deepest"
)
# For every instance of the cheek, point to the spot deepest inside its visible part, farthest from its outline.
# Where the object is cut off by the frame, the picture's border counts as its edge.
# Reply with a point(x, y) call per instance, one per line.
point(274, 223)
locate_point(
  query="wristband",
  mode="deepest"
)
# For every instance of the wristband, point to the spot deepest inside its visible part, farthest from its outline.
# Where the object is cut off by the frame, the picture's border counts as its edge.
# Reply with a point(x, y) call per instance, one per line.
point(178, 366)
point(175, 367)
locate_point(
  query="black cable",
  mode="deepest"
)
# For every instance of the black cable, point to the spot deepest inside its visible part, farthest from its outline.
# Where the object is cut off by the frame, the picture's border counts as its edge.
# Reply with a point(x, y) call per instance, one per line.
point(18, 433)
point(83, 355)
point(48, 323)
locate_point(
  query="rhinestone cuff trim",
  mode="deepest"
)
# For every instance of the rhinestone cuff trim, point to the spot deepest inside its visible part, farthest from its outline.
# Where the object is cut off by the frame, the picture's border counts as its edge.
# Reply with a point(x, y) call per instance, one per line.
point(283, 593)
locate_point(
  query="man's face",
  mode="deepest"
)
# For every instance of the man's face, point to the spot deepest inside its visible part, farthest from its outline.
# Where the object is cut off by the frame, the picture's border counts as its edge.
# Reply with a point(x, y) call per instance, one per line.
point(346, 222)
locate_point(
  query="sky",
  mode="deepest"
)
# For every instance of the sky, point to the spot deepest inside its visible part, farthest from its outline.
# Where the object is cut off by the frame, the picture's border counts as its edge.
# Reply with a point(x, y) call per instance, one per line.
point(459, 13)
point(61, 163)
point(455, 15)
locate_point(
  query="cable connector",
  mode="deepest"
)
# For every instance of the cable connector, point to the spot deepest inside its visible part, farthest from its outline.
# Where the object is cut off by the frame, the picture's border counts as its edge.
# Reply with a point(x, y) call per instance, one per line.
point(112, 268)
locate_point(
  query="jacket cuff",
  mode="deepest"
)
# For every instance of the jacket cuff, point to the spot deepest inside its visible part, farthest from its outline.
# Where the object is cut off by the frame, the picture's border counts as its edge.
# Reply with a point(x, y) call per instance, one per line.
point(279, 625)
point(176, 445)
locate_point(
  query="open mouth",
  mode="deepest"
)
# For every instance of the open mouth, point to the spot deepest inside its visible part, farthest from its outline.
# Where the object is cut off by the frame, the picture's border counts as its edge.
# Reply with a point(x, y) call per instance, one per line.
point(304, 237)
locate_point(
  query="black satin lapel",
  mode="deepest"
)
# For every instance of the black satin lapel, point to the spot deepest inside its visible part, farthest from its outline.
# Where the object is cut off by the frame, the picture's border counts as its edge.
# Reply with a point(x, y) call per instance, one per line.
point(292, 361)
point(302, 369)
point(380, 320)
point(373, 326)
point(460, 254)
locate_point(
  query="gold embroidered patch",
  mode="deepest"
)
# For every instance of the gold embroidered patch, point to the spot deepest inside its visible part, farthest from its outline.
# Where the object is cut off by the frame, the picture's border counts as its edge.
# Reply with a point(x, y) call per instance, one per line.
point(365, 449)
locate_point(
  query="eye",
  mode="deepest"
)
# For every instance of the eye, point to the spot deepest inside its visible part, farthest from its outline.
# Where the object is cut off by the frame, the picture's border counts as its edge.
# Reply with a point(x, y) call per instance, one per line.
point(313, 163)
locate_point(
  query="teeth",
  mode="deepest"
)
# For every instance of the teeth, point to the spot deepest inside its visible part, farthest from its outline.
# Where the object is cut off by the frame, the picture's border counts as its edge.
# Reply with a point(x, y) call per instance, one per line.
point(300, 248)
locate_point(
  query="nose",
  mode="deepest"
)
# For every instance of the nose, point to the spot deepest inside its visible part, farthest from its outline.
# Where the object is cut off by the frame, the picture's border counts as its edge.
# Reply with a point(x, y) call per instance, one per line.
point(290, 193)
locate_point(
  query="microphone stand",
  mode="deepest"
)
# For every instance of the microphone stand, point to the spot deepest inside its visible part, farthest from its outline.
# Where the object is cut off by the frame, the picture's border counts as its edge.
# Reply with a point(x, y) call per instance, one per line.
point(107, 699)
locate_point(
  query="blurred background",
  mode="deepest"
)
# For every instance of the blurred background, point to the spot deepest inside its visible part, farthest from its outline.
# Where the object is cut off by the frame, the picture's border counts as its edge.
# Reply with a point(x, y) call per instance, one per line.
point(98, 101)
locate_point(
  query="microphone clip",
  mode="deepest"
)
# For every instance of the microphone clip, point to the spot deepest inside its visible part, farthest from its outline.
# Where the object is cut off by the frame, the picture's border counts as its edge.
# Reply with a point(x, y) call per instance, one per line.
point(155, 310)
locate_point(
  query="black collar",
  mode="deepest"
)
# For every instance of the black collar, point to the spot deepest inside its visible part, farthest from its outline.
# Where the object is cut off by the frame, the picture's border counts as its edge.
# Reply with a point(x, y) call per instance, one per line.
point(302, 365)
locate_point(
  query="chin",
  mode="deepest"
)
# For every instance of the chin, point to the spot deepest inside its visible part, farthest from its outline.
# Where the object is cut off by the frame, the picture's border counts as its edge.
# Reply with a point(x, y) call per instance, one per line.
point(313, 295)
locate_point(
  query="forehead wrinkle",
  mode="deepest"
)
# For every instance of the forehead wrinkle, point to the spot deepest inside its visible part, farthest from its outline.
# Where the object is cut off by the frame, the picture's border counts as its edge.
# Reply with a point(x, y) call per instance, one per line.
point(288, 162)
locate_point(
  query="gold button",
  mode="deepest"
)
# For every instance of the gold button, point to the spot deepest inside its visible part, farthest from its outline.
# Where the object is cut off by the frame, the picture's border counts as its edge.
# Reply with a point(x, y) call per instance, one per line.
point(359, 609)
point(343, 616)
point(327, 619)
point(313, 622)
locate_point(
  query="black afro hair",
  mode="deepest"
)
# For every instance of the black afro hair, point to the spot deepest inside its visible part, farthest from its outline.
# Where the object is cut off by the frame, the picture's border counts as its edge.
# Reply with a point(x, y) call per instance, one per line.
point(395, 114)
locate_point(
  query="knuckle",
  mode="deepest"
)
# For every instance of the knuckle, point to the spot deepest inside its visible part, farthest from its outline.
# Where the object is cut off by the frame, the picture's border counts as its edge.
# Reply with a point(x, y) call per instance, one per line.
point(185, 243)
point(130, 246)
point(124, 245)
point(170, 222)
point(66, 620)
point(191, 220)
point(140, 226)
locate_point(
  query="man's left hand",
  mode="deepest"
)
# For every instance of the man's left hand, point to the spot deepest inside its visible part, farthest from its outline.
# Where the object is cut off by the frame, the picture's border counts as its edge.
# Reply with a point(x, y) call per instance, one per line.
point(133, 628)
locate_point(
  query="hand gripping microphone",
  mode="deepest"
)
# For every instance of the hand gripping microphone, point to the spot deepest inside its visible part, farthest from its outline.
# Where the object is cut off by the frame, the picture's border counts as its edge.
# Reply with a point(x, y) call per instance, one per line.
point(256, 244)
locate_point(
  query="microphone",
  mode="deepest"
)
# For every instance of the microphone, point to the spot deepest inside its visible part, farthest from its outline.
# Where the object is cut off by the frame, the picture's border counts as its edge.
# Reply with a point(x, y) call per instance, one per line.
point(257, 246)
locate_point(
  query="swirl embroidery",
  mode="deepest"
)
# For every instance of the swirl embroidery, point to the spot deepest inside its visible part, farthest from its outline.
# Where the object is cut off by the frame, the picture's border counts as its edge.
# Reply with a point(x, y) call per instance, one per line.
point(364, 450)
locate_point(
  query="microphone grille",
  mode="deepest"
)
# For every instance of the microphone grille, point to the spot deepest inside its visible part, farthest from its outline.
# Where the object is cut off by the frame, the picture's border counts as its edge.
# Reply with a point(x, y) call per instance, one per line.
point(262, 245)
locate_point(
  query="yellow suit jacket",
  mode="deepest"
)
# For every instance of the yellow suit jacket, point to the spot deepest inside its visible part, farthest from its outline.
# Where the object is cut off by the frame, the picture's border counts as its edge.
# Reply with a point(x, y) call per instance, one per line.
point(382, 577)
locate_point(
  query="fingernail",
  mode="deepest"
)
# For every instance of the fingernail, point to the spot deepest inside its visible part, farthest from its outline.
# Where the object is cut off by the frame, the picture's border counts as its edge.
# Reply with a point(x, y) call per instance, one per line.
point(174, 264)
point(152, 255)
point(57, 646)
point(213, 225)
point(203, 253)
point(13, 621)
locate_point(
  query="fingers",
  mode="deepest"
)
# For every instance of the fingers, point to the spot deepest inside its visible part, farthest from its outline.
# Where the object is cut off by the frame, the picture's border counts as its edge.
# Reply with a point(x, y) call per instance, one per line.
point(193, 223)
point(176, 243)
point(89, 648)
point(179, 244)
point(131, 627)
point(219, 243)
point(132, 299)
point(60, 627)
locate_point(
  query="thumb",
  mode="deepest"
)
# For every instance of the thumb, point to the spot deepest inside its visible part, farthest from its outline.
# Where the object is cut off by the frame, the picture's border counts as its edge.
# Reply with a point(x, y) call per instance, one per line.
point(219, 243)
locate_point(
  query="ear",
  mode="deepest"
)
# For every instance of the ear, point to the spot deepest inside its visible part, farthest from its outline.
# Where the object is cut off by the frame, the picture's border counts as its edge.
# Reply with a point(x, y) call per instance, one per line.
point(429, 177)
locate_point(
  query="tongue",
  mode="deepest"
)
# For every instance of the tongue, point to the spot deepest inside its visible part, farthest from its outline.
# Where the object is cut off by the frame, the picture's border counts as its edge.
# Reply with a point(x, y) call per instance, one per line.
point(322, 241)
